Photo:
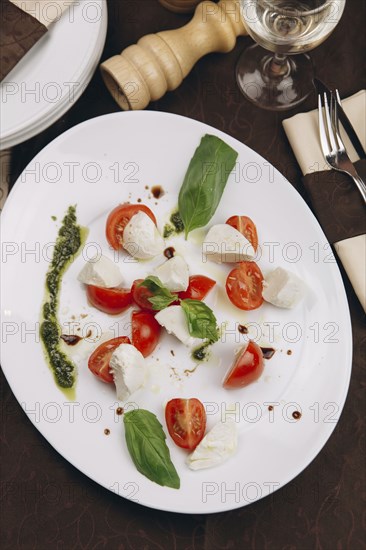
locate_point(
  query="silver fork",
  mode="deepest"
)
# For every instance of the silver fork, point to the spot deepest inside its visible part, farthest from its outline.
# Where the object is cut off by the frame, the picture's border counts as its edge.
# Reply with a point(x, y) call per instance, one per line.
point(332, 144)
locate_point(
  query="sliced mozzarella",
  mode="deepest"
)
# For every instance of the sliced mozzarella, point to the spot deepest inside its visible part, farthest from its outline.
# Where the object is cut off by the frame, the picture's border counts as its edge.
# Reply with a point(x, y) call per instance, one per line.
point(174, 274)
point(127, 365)
point(216, 447)
point(101, 271)
point(283, 288)
point(174, 320)
point(224, 243)
point(141, 237)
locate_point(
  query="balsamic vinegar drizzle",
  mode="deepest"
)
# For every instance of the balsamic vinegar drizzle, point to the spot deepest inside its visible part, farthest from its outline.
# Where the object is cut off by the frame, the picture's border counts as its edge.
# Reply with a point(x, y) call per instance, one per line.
point(268, 353)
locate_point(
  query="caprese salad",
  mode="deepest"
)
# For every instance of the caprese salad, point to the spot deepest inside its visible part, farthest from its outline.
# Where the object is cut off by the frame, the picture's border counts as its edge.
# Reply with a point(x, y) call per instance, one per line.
point(171, 298)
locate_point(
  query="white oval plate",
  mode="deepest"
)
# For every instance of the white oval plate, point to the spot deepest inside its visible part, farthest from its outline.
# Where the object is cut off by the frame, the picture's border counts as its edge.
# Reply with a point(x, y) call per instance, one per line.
point(51, 77)
point(114, 158)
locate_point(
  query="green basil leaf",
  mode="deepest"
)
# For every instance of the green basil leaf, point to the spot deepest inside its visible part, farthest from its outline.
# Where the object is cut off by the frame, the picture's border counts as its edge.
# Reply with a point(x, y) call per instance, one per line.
point(205, 181)
point(162, 297)
point(160, 302)
point(201, 320)
point(146, 444)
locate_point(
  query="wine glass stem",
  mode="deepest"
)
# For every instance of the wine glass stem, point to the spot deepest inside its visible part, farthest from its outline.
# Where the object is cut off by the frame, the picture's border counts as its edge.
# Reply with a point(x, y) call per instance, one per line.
point(278, 65)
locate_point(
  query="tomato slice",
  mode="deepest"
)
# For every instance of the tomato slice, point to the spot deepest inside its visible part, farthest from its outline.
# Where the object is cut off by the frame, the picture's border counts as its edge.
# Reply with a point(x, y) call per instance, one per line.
point(186, 422)
point(141, 295)
point(246, 227)
point(244, 286)
point(109, 300)
point(145, 332)
point(119, 218)
point(198, 288)
point(99, 360)
point(247, 367)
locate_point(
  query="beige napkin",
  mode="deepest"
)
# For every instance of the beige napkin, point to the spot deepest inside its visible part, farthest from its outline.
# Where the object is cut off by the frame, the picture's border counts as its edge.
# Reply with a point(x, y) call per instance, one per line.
point(302, 133)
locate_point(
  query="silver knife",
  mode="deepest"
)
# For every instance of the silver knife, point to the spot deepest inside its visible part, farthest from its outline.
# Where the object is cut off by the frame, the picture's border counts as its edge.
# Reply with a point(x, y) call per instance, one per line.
point(323, 89)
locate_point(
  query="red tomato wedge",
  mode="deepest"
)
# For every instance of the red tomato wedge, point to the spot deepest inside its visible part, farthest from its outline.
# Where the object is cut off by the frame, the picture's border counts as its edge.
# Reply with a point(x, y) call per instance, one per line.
point(186, 422)
point(119, 218)
point(99, 360)
point(247, 367)
point(198, 288)
point(141, 295)
point(244, 286)
point(109, 300)
point(145, 332)
point(246, 227)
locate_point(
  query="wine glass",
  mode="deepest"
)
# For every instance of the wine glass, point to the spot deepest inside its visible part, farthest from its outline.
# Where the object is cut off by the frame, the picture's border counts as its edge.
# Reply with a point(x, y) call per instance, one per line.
point(283, 79)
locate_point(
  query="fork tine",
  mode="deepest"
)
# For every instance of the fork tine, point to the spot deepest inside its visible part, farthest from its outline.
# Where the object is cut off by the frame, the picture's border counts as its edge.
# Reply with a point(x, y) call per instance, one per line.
point(335, 119)
point(330, 130)
point(337, 103)
point(322, 131)
point(338, 97)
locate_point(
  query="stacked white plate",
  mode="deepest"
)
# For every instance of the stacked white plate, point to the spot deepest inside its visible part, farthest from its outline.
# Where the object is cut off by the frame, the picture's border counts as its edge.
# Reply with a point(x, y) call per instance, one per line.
point(53, 74)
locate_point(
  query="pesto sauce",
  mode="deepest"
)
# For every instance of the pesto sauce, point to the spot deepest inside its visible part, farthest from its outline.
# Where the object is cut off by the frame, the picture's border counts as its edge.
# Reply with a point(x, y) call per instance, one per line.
point(175, 226)
point(168, 231)
point(201, 353)
point(68, 244)
point(177, 221)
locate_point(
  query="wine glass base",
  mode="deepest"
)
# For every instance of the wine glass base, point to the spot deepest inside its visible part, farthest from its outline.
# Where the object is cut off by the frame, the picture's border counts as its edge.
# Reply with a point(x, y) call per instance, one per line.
point(276, 84)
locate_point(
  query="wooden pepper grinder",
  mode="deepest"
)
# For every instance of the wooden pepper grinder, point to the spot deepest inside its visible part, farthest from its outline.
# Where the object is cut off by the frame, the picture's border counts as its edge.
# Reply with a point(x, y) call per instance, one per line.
point(159, 62)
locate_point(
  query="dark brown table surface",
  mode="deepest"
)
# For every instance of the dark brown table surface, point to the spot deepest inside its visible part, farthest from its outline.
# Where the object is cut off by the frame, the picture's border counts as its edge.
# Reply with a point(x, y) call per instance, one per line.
point(46, 502)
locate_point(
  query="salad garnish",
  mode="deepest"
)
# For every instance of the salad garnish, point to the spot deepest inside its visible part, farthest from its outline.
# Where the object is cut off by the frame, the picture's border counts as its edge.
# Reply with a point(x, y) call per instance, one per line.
point(205, 181)
point(68, 244)
point(174, 227)
point(146, 444)
point(201, 320)
point(161, 297)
